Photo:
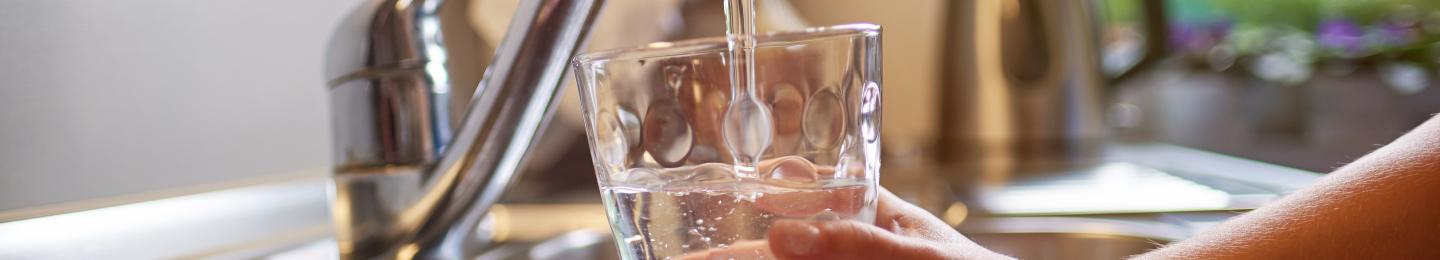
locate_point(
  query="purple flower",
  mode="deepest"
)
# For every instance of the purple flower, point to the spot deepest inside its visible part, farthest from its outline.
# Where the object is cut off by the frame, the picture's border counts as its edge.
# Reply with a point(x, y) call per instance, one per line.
point(1221, 28)
point(1181, 35)
point(1341, 34)
point(1389, 33)
point(1198, 37)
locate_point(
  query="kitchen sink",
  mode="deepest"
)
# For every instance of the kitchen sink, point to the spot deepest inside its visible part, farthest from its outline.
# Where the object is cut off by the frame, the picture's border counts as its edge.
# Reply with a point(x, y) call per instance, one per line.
point(1066, 245)
point(1071, 238)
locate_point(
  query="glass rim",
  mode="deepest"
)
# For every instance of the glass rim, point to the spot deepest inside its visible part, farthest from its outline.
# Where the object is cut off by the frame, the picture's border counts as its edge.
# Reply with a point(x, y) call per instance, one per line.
point(718, 44)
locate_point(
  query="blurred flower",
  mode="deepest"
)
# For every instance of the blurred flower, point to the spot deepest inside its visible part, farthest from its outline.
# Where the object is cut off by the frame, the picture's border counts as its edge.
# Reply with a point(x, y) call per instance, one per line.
point(1435, 51)
point(1341, 35)
point(1221, 58)
point(1405, 78)
point(1287, 41)
point(1282, 68)
point(1200, 37)
point(1221, 28)
point(1391, 34)
point(1297, 44)
point(1432, 22)
point(1405, 15)
point(1184, 36)
point(1249, 39)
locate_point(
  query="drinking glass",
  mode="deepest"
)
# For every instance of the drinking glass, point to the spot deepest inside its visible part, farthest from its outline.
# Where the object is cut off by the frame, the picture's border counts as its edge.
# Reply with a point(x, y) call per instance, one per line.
point(657, 125)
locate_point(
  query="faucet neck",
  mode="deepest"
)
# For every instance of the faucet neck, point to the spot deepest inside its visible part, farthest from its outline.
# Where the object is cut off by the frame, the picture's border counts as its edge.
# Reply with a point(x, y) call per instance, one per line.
point(406, 186)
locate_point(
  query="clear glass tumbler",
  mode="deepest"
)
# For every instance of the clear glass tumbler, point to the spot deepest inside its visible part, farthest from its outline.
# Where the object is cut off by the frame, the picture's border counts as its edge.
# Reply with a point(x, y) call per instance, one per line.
point(656, 118)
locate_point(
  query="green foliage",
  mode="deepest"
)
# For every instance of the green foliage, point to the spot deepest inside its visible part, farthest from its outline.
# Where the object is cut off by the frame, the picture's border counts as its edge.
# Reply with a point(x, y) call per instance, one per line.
point(1293, 13)
point(1305, 14)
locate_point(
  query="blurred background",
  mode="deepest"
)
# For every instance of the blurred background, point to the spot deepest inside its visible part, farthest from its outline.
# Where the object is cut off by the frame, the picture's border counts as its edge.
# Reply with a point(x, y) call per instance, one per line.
point(111, 102)
point(1307, 84)
point(109, 98)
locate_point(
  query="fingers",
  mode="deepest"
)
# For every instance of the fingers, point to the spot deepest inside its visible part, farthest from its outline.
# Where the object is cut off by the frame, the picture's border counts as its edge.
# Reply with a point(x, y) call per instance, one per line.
point(899, 216)
point(890, 206)
point(791, 239)
point(758, 249)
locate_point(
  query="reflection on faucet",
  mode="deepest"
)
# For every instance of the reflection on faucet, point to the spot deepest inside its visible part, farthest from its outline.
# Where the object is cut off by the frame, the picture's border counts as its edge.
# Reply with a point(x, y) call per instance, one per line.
point(406, 186)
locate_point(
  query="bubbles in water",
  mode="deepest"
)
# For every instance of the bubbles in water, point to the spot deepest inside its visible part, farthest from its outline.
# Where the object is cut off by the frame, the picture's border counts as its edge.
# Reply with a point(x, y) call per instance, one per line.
point(827, 215)
point(703, 225)
point(747, 196)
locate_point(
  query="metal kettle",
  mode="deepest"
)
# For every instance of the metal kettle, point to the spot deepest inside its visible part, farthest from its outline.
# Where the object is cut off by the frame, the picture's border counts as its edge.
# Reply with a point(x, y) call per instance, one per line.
point(1022, 84)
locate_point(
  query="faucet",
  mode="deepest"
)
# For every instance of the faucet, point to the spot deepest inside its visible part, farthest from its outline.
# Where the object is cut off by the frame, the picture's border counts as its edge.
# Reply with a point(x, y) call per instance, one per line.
point(407, 184)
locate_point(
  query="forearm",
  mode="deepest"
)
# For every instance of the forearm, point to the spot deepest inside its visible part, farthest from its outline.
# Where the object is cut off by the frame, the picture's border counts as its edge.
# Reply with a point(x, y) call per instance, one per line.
point(1384, 206)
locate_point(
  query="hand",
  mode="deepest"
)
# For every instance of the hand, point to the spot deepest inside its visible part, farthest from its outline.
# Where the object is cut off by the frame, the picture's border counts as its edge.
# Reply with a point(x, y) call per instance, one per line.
point(901, 231)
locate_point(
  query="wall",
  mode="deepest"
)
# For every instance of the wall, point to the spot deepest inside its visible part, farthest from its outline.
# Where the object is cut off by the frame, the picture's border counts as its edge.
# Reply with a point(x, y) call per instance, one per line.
point(105, 98)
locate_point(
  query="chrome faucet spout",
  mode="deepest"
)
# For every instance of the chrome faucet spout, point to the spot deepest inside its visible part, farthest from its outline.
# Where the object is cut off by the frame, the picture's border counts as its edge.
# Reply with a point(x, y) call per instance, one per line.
point(407, 184)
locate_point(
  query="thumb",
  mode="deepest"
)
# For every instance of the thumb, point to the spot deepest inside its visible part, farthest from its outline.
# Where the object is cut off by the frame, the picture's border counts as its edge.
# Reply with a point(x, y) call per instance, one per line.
point(793, 239)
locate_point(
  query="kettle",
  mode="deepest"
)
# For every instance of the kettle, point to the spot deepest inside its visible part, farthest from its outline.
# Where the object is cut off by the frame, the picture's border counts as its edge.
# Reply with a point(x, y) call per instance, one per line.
point(1023, 88)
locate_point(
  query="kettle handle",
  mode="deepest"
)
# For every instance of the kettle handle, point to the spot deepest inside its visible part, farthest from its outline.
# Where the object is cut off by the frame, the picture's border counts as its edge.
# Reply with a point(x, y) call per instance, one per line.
point(1157, 33)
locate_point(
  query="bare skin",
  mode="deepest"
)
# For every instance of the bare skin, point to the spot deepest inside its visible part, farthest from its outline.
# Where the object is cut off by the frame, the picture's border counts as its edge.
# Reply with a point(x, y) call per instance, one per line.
point(901, 231)
point(1385, 205)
